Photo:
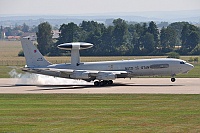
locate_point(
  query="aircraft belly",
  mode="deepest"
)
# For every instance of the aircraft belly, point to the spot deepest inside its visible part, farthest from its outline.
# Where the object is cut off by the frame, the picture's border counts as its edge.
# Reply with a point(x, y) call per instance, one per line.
point(161, 72)
point(150, 72)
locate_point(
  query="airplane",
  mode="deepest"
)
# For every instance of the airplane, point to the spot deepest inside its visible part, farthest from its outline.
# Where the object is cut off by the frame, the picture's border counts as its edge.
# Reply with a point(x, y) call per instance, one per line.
point(101, 73)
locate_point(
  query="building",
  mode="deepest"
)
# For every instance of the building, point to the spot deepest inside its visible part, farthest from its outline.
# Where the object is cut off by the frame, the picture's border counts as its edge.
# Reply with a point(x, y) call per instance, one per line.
point(13, 38)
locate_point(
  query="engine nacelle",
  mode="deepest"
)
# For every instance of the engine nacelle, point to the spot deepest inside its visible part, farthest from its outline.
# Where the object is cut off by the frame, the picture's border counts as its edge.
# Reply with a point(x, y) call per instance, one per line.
point(80, 75)
point(106, 76)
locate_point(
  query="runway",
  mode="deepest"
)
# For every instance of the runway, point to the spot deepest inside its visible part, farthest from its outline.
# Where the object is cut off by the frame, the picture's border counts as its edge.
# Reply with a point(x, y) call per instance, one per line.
point(120, 86)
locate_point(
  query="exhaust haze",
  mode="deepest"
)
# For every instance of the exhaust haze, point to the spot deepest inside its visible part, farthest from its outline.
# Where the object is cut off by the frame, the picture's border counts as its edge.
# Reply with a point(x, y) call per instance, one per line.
point(37, 79)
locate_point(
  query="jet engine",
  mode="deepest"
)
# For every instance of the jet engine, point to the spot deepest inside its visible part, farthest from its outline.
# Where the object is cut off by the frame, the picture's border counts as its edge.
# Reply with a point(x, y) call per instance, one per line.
point(106, 76)
point(80, 75)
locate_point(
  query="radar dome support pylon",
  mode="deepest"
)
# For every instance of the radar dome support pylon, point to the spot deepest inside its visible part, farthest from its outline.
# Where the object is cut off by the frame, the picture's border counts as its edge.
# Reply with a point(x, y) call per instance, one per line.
point(75, 57)
point(75, 47)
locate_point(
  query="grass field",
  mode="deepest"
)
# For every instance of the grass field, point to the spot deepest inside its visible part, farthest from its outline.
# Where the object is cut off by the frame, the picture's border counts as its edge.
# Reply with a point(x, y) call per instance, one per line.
point(9, 51)
point(99, 113)
point(94, 113)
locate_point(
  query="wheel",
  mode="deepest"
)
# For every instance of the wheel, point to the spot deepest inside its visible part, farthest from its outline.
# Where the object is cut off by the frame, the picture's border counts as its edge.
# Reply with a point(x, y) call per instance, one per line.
point(105, 82)
point(96, 83)
point(173, 79)
point(102, 83)
point(110, 82)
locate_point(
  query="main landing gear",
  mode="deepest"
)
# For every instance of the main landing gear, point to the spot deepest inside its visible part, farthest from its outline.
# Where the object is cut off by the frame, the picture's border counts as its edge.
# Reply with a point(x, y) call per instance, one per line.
point(103, 83)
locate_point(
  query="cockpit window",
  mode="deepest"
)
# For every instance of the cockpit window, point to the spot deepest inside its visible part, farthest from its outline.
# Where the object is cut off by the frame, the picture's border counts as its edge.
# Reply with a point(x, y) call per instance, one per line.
point(182, 62)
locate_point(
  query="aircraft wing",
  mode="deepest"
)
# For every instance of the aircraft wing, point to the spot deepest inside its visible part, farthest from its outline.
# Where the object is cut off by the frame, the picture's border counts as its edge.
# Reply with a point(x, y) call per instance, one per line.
point(90, 74)
point(79, 74)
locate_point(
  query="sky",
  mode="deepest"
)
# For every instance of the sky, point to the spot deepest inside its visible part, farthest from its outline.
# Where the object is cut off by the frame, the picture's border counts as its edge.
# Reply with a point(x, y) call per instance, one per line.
point(82, 7)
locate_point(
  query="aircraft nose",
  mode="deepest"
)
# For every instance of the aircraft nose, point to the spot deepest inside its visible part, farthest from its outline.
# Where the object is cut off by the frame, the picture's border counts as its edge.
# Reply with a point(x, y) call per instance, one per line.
point(190, 66)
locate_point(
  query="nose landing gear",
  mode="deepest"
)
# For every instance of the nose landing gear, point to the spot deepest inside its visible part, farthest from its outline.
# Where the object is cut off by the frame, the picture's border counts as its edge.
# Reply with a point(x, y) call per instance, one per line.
point(173, 79)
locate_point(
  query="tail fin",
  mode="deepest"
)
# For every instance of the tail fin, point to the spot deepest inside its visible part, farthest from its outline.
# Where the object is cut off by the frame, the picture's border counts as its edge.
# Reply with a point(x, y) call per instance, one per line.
point(33, 56)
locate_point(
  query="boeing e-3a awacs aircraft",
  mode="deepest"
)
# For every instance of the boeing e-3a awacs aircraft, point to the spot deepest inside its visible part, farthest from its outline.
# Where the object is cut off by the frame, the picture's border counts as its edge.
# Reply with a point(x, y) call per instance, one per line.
point(102, 73)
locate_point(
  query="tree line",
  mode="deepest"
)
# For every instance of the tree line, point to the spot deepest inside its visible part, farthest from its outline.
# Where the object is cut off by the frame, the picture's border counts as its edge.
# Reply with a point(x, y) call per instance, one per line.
point(18, 30)
point(122, 38)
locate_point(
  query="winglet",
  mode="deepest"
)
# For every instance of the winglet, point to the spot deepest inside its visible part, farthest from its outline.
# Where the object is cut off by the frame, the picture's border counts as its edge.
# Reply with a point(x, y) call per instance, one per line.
point(33, 56)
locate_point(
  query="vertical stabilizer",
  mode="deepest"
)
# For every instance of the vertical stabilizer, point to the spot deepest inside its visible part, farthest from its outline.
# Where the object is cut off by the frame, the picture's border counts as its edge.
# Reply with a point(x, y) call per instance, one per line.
point(33, 56)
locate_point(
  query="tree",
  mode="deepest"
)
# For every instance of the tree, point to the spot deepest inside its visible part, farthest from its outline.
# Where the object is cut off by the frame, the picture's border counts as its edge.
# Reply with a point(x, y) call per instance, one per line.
point(184, 35)
point(93, 31)
point(168, 38)
point(25, 28)
point(89, 26)
point(44, 37)
point(69, 33)
point(107, 47)
point(8, 31)
point(148, 43)
point(34, 29)
point(196, 50)
point(136, 44)
point(193, 39)
point(153, 29)
point(178, 26)
point(190, 37)
point(120, 32)
point(121, 37)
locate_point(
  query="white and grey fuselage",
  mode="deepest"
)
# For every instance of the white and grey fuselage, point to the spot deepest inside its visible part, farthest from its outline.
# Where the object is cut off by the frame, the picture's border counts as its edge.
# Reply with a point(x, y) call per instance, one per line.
point(102, 71)
point(143, 67)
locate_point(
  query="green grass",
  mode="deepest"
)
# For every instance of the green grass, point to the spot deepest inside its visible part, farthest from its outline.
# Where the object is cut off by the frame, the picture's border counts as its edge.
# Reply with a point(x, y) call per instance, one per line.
point(4, 70)
point(99, 113)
